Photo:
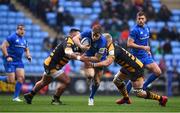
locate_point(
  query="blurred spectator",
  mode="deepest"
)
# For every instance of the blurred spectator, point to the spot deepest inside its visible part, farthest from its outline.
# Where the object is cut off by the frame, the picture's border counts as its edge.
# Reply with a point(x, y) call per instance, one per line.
point(154, 34)
point(68, 18)
point(167, 48)
point(96, 22)
point(106, 24)
point(164, 13)
point(158, 50)
point(47, 44)
point(164, 33)
point(57, 40)
point(115, 24)
point(104, 14)
point(60, 19)
point(127, 8)
point(174, 34)
point(138, 2)
point(150, 12)
point(87, 3)
point(5, 2)
point(162, 65)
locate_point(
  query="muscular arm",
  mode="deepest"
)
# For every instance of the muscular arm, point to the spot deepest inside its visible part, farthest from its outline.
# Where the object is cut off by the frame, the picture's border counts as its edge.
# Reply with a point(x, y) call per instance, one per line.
point(4, 47)
point(131, 44)
point(106, 62)
point(76, 40)
point(69, 52)
point(27, 52)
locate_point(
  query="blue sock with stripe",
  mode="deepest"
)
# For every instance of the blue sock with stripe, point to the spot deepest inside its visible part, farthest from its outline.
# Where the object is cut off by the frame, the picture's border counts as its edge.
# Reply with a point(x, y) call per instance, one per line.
point(93, 90)
point(129, 86)
point(17, 89)
point(3, 78)
point(149, 80)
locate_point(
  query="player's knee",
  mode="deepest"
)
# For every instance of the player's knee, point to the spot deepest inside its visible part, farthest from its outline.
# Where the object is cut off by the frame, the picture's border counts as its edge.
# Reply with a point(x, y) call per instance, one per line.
point(116, 79)
point(20, 79)
point(159, 72)
point(67, 82)
point(97, 82)
point(11, 80)
point(118, 82)
point(139, 93)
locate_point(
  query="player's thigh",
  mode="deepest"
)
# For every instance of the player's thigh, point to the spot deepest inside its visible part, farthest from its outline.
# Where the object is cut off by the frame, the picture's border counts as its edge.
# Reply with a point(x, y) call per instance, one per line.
point(46, 79)
point(89, 72)
point(20, 73)
point(11, 77)
point(64, 78)
point(154, 68)
point(10, 71)
point(138, 83)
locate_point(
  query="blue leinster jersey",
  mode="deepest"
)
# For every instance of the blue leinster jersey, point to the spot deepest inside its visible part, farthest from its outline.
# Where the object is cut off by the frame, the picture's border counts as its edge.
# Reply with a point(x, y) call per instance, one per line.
point(98, 46)
point(140, 35)
point(17, 45)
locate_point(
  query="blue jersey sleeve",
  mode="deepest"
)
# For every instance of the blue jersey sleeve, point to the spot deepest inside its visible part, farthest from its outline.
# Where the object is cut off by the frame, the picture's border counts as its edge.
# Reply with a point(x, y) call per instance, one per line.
point(26, 44)
point(102, 48)
point(133, 34)
point(86, 34)
point(10, 39)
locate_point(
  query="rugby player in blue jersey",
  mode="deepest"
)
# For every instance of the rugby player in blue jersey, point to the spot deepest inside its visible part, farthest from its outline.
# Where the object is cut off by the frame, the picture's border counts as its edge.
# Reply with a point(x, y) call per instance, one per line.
point(13, 48)
point(138, 42)
point(97, 52)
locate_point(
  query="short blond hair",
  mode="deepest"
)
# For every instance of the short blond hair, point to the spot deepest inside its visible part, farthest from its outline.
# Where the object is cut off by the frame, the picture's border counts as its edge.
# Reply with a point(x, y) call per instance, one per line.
point(108, 38)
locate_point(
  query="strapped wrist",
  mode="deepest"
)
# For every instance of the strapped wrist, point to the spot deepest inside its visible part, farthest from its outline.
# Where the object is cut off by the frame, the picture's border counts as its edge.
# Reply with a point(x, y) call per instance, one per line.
point(78, 57)
point(93, 64)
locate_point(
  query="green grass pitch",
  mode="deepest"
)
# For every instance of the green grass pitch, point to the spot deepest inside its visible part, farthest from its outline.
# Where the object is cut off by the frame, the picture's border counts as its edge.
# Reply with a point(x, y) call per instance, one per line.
point(79, 104)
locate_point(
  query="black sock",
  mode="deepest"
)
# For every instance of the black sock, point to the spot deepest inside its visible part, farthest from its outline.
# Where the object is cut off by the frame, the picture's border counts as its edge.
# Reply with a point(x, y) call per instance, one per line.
point(33, 93)
point(56, 97)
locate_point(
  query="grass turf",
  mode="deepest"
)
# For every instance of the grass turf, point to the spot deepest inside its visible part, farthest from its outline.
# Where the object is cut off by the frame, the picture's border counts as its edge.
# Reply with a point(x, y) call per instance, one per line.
point(79, 104)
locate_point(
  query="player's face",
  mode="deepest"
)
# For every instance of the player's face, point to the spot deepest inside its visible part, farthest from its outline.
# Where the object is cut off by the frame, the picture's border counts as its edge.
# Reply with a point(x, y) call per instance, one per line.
point(21, 31)
point(95, 36)
point(73, 34)
point(141, 20)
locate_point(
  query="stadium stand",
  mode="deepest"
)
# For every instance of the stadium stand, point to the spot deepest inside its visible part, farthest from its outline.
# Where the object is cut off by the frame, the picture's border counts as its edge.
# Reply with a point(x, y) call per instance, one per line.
point(83, 19)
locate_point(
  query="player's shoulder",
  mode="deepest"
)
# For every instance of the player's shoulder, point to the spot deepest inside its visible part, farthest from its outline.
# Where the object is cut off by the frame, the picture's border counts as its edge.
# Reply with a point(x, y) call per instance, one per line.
point(12, 36)
point(88, 32)
point(134, 28)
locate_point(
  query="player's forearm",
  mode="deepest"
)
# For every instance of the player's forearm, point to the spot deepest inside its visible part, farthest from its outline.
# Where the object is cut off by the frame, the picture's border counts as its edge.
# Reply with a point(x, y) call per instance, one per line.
point(133, 45)
point(93, 59)
point(27, 53)
point(4, 50)
point(77, 41)
point(106, 62)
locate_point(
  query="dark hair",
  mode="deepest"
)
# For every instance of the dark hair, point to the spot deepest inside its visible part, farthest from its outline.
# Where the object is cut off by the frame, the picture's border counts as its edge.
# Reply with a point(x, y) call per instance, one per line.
point(74, 30)
point(97, 28)
point(141, 13)
point(19, 25)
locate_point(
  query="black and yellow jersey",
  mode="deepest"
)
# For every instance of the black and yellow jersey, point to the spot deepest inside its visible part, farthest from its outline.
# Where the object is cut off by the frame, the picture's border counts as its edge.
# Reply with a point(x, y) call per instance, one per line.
point(131, 66)
point(57, 59)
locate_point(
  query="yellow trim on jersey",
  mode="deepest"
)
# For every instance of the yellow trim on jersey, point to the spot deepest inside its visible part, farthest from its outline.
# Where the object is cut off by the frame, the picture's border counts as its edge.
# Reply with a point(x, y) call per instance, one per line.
point(125, 65)
point(53, 70)
point(69, 40)
point(47, 61)
point(111, 56)
point(65, 59)
point(140, 79)
point(62, 62)
point(131, 69)
point(111, 47)
point(139, 62)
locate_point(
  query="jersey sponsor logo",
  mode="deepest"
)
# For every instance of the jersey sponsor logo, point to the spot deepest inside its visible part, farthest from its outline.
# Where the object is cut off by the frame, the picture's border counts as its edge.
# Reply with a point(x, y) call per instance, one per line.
point(102, 50)
point(145, 37)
